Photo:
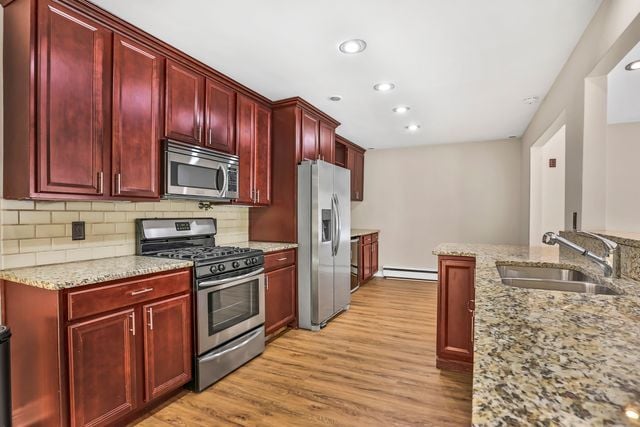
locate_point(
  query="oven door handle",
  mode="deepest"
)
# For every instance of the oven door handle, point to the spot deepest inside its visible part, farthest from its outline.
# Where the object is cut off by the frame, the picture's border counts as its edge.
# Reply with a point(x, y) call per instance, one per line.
point(252, 336)
point(212, 283)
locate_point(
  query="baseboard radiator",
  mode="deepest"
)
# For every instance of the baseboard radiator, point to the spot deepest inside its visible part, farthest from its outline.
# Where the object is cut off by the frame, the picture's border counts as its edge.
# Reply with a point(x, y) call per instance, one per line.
point(409, 273)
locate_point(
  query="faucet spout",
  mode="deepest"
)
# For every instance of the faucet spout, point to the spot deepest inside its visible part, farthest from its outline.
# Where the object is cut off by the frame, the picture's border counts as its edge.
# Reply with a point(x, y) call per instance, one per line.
point(607, 262)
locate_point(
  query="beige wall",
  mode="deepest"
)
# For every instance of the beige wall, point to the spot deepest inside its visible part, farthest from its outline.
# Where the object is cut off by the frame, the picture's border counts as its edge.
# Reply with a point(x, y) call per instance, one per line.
point(420, 197)
point(623, 177)
point(614, 30)
point(36, 233)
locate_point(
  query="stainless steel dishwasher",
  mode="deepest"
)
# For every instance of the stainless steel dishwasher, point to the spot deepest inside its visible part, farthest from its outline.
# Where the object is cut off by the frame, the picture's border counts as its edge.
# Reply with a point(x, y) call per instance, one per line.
point(355, 262)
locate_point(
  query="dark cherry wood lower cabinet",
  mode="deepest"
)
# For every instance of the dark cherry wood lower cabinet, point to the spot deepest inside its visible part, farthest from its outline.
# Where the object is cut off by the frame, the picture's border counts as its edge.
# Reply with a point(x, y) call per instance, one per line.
point(281, 299)
point(456, 305)
point(368, 265)
point(167, 345)
point(99, 354)
point(101, 369)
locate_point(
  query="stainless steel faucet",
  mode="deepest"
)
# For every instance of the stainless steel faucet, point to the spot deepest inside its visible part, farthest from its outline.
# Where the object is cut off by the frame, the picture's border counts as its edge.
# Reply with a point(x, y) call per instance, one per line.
point(608, 262)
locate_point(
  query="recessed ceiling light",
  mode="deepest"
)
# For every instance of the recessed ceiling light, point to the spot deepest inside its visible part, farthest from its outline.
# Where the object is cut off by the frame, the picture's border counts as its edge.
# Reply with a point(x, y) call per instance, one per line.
point(352, 46)
point(401, 109)
point(530, 100)
point(335, 98)
point(635, 65)
point(384, 87)
point(412, 127)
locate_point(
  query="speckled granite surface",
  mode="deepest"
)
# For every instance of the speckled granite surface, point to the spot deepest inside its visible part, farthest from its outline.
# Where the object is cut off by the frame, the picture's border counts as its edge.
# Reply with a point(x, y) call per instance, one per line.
point(550, 358)
point(357, 232)
point(267, 247)
point(72, 274)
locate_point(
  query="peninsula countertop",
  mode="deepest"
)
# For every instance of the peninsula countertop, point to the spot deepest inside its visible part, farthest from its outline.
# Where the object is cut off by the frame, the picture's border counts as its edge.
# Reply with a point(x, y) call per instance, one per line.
point(73, 274)
point(550, 358)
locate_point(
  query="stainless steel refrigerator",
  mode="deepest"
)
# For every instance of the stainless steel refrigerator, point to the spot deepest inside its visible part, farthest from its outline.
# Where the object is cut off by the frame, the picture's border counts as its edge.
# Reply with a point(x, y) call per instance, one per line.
point(324, 235)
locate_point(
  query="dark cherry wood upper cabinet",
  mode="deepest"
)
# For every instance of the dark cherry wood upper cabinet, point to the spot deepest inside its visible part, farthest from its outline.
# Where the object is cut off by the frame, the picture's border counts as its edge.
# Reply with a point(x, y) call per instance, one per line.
point(102, 357)
point(136, 120)
point(280, 298)
point(74, 86)
point(358, 173)
point(310, 136)
point(245, 135)
point(167, 345)
point(184, 104)
point(327, 142)
point(456, 305)
point(220, 117)
point(262, 152)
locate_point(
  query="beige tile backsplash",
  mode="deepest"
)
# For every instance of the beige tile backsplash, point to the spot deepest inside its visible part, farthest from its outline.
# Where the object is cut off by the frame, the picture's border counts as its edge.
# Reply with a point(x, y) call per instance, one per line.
point(39, 233)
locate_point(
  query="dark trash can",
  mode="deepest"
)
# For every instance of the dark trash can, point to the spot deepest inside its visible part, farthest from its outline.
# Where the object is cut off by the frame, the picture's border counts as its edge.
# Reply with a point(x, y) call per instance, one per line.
point(5, 377)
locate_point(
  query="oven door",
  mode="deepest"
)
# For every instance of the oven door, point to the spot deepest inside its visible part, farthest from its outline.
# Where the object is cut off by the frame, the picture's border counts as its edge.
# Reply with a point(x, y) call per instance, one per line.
point(228, 308)
point(193, 176)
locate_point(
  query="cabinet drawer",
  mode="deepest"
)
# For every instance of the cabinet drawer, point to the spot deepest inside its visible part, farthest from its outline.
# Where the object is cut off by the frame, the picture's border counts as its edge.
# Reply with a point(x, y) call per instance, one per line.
point(87, 302)
point(279, 259)
point(366, 239)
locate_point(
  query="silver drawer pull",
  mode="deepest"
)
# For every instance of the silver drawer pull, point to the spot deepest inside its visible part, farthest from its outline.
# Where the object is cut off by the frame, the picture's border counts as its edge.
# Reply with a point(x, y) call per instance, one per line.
point(282, 259)
point(141, 291)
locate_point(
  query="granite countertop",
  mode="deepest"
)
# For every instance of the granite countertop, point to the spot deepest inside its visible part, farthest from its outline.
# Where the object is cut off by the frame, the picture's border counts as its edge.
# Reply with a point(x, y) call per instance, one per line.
point(357, 232)
point(550, 358)
point(72, 274)
point(267, 247)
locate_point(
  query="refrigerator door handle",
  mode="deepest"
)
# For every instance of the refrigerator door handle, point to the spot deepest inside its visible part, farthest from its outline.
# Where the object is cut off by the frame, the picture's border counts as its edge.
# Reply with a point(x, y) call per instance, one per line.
point(334, 225)
point(339, 224)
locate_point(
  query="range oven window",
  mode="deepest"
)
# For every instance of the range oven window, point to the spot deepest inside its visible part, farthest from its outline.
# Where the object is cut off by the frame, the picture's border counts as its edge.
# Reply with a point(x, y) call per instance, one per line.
point(230, 306)
point(192, 176)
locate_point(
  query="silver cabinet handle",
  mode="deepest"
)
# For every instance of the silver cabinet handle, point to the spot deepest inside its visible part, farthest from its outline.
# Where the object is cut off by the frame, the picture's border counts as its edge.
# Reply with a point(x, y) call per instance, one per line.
point(150, 318)
point(282, 259)
point(132, 316)
point(266, 280)
point(141, 291)
point(258, 196)
point(118, 182)
point(100, 182)
point(210, 136)
point(199, 133)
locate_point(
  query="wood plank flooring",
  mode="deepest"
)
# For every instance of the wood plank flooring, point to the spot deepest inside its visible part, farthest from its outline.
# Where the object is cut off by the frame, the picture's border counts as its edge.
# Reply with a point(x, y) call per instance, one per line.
point(371, 366)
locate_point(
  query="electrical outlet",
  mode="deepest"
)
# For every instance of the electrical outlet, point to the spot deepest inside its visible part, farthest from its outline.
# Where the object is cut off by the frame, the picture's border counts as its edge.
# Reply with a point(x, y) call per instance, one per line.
point(77, 230)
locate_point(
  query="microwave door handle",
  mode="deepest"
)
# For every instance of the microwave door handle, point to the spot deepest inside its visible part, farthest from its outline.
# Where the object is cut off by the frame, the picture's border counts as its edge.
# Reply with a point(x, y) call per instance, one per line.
point(222, 170)
point(211, 283)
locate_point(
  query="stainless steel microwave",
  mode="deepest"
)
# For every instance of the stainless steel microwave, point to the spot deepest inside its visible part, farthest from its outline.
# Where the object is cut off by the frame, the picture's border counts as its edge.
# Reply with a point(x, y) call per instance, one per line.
point(198, 173)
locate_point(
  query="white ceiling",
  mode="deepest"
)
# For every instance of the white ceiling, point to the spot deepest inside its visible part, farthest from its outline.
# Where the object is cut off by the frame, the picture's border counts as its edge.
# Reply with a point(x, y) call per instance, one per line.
point(623, 104)
point(463, 66)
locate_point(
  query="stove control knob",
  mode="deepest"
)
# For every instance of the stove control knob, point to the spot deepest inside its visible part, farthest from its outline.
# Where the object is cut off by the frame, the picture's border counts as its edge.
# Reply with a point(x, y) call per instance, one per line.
point(221, 267)
point(254, 260)
point(236, 264)
point(247, 261)
point(213, 268)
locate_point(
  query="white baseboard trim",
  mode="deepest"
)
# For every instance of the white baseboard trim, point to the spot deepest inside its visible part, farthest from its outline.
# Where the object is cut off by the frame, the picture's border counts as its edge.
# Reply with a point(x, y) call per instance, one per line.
point(409, 273)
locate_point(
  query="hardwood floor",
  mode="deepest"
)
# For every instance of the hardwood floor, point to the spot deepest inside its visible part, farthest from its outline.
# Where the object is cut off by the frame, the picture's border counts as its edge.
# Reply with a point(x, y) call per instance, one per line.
point(371, 366)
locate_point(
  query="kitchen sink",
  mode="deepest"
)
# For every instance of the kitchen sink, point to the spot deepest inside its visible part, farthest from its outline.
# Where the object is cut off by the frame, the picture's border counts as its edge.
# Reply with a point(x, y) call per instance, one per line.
point(551, 279)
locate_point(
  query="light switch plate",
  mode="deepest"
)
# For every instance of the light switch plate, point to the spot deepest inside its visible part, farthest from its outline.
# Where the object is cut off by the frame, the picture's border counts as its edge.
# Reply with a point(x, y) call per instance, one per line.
point(77, 230)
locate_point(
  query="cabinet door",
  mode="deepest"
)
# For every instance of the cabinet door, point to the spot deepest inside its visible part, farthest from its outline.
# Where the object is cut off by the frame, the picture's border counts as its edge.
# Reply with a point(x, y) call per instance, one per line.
point(74, 87)
point(358, 173)
point(246, 133)
point(167, 345)
point(101, 369)
point(262, 153)
point(309, 142)
point(136, 116)
point(327, 142)
point(374, 258)
point(280, 299)
point(351, 165)
point(365, 259)
point(455, 308)
point(220, 117)
point(183, 118)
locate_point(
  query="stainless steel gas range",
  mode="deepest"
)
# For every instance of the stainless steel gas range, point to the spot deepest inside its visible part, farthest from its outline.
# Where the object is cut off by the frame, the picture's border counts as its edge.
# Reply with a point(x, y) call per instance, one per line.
point(228, 292)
